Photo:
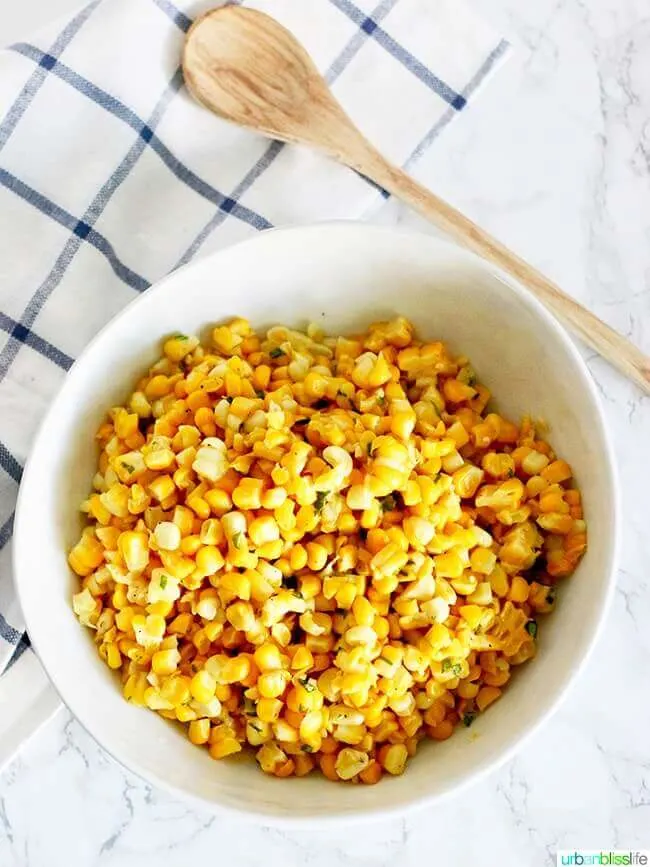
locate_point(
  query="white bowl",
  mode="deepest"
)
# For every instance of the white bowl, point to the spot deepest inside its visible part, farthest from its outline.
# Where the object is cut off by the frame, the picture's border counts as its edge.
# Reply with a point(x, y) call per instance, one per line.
point(342, 276)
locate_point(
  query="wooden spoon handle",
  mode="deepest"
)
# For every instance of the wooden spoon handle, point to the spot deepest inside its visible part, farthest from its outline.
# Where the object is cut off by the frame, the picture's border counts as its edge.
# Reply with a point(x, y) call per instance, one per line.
point(620, 352)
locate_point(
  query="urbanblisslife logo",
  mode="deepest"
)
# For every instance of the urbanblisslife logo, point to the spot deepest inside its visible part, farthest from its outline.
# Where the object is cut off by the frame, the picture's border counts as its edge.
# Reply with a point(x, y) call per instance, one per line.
point(586, 857)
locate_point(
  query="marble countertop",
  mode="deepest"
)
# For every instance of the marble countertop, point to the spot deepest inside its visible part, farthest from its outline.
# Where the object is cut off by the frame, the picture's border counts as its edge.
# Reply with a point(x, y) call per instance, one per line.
point(555, 160)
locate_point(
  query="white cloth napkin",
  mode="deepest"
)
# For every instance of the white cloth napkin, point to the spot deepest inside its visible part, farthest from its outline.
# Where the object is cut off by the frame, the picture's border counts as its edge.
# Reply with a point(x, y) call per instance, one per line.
point(111, 176)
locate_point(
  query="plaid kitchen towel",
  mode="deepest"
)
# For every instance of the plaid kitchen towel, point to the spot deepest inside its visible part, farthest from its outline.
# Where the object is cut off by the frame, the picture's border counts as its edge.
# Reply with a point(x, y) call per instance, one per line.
point(111, 176)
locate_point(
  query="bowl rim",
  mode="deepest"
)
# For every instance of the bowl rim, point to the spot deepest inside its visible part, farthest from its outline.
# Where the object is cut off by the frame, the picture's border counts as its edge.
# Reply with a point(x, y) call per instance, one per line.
point(488, 765)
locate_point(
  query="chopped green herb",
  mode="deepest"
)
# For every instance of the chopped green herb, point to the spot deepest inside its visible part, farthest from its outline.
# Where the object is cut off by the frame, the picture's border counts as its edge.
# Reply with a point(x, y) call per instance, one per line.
point(388, 504)
point(466, 375)
point(455, 667)
point(306, 748)
point(128, 467)
point(278, 352)
point(369, 448)
point(321, 496)
point(260, 393)
point(163, 582)
point(179, 337)
point(531, 628)
point(469, 717)
point(297, 594)
point(510, 473)
point(237, 540)
point(250, 708)
point(381, 399)
point(308, 684)
point(257, 727)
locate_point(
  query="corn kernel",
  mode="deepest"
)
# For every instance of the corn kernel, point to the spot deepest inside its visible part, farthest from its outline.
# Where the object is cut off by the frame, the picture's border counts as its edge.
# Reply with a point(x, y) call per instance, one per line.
point(203, 686)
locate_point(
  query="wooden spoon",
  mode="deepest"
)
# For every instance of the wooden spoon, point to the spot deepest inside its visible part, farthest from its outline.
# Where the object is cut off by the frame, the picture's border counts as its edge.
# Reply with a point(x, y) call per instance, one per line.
point(252, 71)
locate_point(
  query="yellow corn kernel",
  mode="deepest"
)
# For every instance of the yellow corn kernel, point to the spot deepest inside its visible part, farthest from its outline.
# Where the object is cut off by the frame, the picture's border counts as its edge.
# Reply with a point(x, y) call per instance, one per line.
point(519, 589)
point(257, 732)
point(199, 731)
point(438, 636)
point(219, 501)
point(389, 560)
point(140, 405)
point(350, 763)
point(263, 530)
point(281, 633)
point(179, 345)
point(302, 659)
point(162, 487)
point(167, 535)
point(242, 616)
point(556, 523)
point(225, 747)
point(482, 560)
point(165, 662)
point(403, 419)
point(272, 684)
point(86, 556)
point(534, 463)
point(273, 498)
point(449, 565)
point(113, 656)
point(363, 612)
point(269, 709)
point(160, 458)
point(316, 556)
point(203, 686)
point(184, 520)
point(235, 670)
point(419, 532)
point(211, 460)
point(180, 624)
point(248, 494)
point(267, 657)
point(499, 466)
point(486, 695)
point(557, 472)
point(284, 732)
point(148, 630)
point(507, 495)
point(298, 557)
point(472, 614)
point(467, 480)
point(270, 757)
point(211, 532)
point(176, 690)
point(209, 560)
point(393, 759)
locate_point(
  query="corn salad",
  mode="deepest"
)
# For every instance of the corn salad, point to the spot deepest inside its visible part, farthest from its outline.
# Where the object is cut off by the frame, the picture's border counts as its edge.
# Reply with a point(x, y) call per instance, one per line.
point(324, 549)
